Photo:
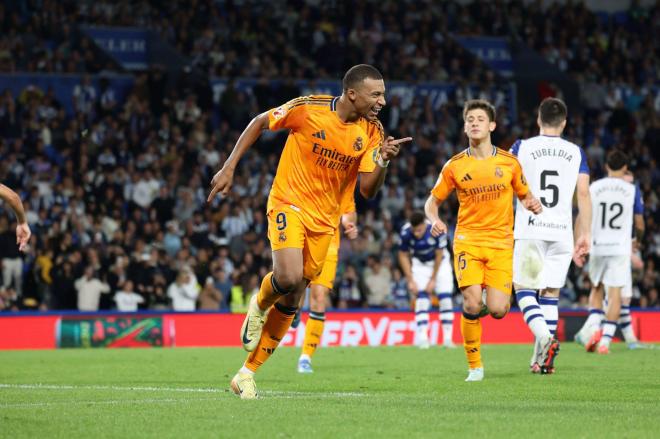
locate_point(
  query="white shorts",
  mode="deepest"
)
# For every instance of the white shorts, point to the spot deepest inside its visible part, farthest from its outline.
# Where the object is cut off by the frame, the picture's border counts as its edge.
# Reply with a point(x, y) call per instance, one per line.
point(541, 264)
point(611, 271)
point(444, 281)
point(627, 290)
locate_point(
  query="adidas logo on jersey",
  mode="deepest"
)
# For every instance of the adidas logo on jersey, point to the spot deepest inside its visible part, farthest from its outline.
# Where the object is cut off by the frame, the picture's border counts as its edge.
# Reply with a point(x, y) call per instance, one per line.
point(319, 135)
point(465, 178)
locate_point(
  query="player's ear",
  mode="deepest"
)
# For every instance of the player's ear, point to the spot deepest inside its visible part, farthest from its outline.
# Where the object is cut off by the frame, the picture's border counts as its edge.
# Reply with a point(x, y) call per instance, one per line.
point(491, 126)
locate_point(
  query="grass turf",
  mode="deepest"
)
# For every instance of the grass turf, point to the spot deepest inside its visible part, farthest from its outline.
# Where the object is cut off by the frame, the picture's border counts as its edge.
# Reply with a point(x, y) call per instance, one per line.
point(354, 392)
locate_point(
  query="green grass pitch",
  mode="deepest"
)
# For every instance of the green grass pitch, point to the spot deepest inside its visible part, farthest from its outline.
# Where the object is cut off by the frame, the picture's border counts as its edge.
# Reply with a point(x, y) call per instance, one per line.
point(399, 392)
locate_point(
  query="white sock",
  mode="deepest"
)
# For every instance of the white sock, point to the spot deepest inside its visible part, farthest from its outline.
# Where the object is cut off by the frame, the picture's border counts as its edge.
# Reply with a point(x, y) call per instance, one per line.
point(245, 370)
point(532, 313)
point(422, 306)
point(446, 317)
point(550, 308)
point(595, 319)
point(625, 323)
point(535, 353)
point(305, 357)
point(609, 327)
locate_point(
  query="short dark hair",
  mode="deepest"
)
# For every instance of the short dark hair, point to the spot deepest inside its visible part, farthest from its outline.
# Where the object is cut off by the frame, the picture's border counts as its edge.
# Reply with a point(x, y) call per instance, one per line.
point(552, 112)
point(356, 74)
point(616, 160)
point(417, 218)
point(474, 104)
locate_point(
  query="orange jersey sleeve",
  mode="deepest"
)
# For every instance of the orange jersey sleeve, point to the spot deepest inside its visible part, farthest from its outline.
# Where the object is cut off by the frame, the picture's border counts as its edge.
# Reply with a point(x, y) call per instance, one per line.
point(321, 159)
point(376, 134)
point(485, 190)
point(518, 180)
point(445, 184)
point(290, 115)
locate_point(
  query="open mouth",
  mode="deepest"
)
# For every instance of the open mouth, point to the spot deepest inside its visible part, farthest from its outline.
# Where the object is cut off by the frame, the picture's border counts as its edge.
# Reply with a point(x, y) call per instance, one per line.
point(373, 111)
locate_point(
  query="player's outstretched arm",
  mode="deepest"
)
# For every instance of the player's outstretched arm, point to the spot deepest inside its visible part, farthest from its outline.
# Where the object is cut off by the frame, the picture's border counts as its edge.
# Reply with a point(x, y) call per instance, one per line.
point(371, 182)
point(223, 179)
point(583, 221)
point(431, 209)
point(23, 232)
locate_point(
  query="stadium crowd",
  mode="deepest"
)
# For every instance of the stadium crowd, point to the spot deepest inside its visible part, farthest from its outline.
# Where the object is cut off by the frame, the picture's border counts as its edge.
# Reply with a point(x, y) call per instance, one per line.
point(116, 193)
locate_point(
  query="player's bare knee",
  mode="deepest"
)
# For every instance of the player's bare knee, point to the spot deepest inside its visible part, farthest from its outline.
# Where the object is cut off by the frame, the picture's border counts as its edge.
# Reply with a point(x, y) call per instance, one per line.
point(498, 311)
point(472, 307)
point(286, 282)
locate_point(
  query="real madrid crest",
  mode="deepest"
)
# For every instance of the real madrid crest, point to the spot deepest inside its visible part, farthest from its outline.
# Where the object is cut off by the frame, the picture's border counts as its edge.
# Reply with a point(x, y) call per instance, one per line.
point(358, 144)
point(282, 237)
point(498, 172)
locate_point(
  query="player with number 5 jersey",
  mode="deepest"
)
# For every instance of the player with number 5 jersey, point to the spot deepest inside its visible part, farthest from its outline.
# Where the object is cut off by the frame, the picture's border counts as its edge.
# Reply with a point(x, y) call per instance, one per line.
point(544, 245)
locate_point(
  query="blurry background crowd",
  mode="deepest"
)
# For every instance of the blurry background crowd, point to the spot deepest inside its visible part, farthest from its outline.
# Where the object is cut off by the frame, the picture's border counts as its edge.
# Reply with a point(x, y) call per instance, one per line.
point(116, 189)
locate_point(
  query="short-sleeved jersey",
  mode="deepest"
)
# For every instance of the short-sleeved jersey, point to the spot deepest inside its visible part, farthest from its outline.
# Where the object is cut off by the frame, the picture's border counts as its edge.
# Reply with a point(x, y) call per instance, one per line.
point(485, 189)
point(614, 202)
point(423, 248)
point(321, 159)
point(551, 165)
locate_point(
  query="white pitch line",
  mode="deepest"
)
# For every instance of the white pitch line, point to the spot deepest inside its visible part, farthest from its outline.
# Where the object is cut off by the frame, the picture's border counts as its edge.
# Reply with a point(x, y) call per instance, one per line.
point(104, 402)
point(290, 394)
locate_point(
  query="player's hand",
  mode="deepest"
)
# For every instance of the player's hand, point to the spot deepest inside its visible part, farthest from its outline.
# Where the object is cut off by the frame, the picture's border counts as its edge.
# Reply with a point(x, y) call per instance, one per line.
point(350, 230)
point(430, 286)
point(23, 234)
point(412, 287)
point(438, 228)
point(221, 183)
point(532, 204)
point(390, 147)
point(581, 250)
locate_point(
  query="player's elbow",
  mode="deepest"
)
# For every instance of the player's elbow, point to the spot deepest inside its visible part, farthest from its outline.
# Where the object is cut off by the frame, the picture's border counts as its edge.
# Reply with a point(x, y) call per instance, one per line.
point(261, 121)
point(367, 193)
point(367, 188)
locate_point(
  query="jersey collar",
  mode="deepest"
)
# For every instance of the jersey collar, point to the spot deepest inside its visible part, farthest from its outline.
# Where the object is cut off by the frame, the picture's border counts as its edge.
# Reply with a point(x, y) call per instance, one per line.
point(467, 151)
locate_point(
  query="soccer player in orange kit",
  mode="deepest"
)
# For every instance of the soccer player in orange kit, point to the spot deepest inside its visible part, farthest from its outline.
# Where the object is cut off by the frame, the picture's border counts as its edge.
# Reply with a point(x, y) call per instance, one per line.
point(331, 141)
point(485, 178)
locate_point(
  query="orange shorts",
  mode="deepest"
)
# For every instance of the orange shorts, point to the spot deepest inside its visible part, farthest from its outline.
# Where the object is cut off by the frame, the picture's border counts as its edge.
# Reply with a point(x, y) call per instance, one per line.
point(286, 230)
point(329, 271)
point(488, 266)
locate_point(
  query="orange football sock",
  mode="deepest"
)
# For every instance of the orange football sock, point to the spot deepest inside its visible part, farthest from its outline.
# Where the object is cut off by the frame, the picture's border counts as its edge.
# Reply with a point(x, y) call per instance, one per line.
point(313, 332)
point(277, 324)
point(471, 330)
point(267, 295)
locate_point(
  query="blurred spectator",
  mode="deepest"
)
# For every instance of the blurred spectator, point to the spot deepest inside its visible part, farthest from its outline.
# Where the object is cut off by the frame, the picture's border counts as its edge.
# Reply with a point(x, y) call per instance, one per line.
point(10, 257)
point(210, 298)
point(89, 289)
point(349, 294)
point(377, 279)
point(399, 298)
point(127, 299)
point(183, 291)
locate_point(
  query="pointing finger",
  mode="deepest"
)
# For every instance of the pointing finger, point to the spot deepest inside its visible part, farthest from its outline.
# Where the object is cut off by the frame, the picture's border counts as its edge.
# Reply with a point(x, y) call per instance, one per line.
point(402, 140)
point(212, 194)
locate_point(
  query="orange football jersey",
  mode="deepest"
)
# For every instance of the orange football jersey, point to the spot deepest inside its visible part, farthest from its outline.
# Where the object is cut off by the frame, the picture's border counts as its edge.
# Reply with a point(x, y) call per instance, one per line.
point(347, 206)
point(321, 159)
point(485, 195)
